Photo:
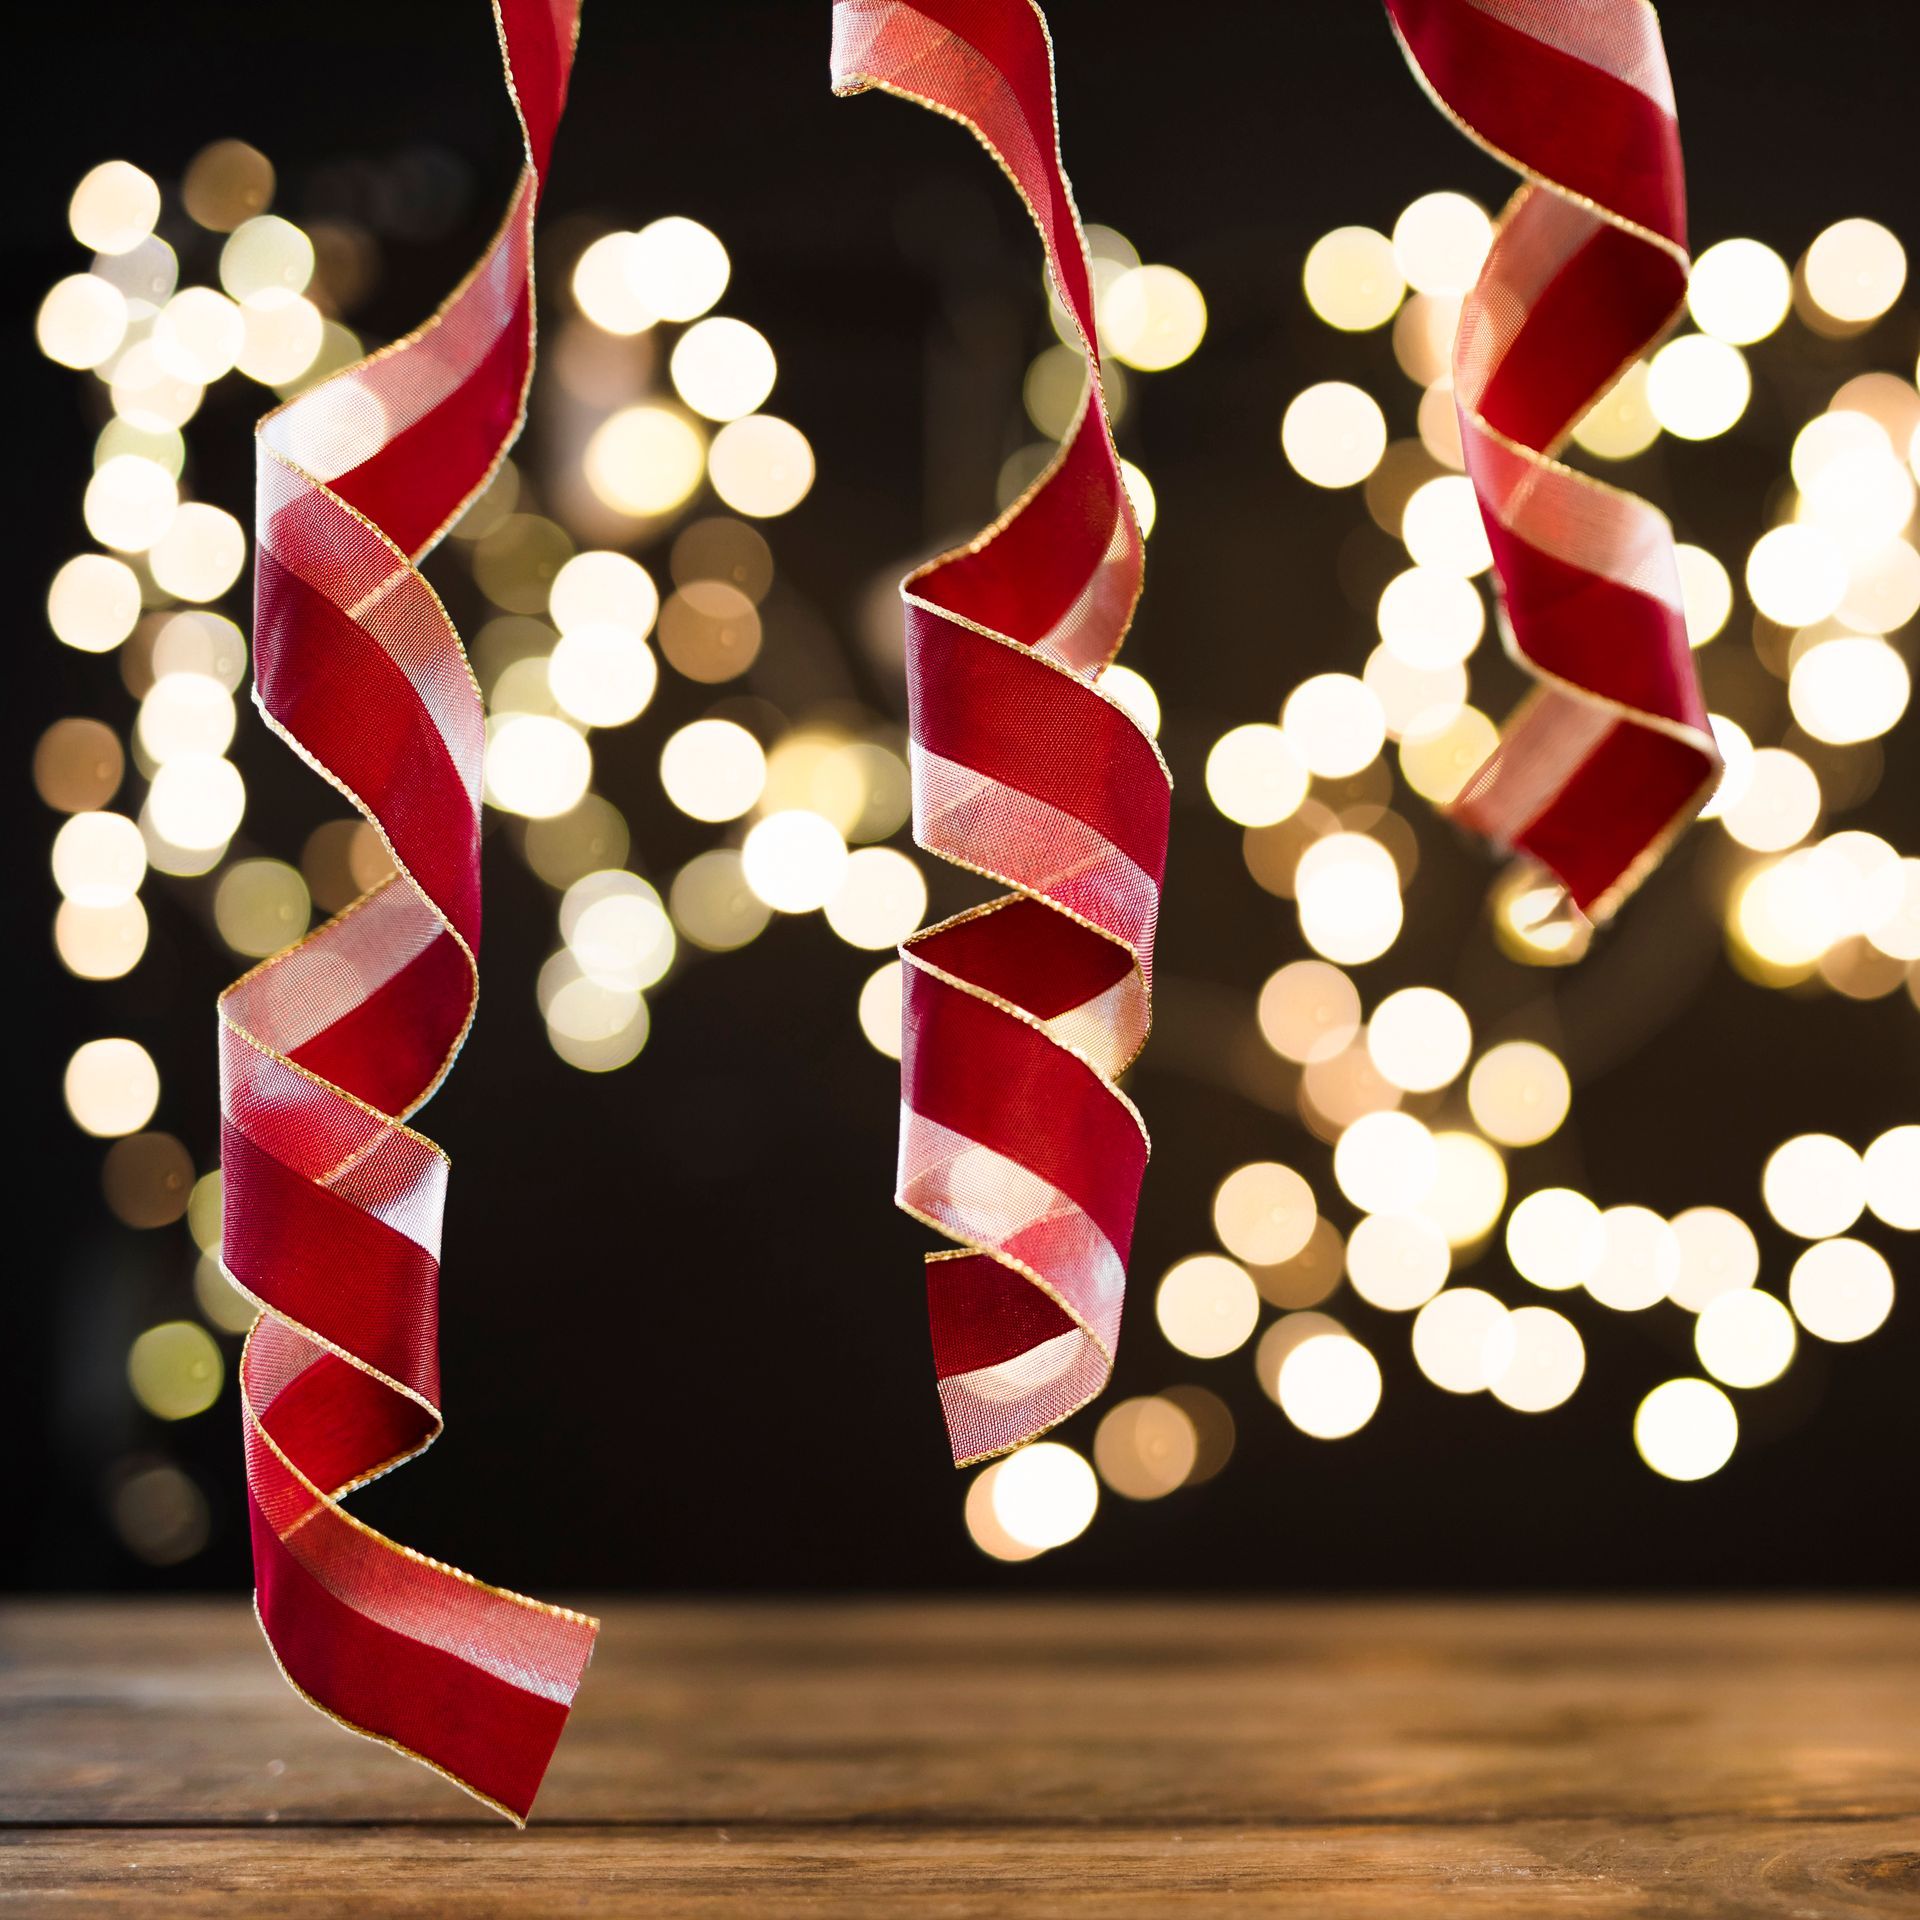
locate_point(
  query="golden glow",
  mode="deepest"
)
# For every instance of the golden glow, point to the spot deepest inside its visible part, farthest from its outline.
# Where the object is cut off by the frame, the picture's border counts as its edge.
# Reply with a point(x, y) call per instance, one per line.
point(175, 1370)
point(1414, 700)
point(1778, 805)
point(1622, 422)
point(881, 900)
point(723, 368)
point(617, 930)
point(1686, 1429)
point(1045, 1495)
point(81, 322)
point(199, 554)
point(677, 268)
point(1146, 1448)
point(1207, 1306)
point(1469, 1188)
point(879, 1009)
point(266, 253)
point(1547, 1362)
point(1397, 1261)
point(713, 770)
point(1739, 291)
point(1431, 619)
point(1152, 317)
point(1352, 279)
point(1556, 1238)
point(604, 289)
point(1442, 528)
point(1640, 1263)
point(1463, 1340)
point(794, 860)
point(1255, 776)
point(1841, 1290)
point(1698, 387)
point(536, 765)
point(1848, 689)
point(1264, 1213)
point(1348, 891)
point(1855, 271)
point(1518, 1093)
point(261, 906)
point(1438, 759)
point(1419, 1038)
point(1441, 241)
point(1892, 1167)
point(644, 460)
point(983, 1528)
point(1796, 575)
point(198, 335)
point(1707, 590)
point(1333, 434)
point(99, 859)
point(1814, 1185)
point(100, 943)
point(114, 207)
point(760, 466)
point(713, 905)
point(1309, 1010)
point(129, 502)
point(1386, 1162)
point(1718, 1256)
point(112, 1087)
point(1329, 1386)
point(1745, 1338)
point(1334, 725)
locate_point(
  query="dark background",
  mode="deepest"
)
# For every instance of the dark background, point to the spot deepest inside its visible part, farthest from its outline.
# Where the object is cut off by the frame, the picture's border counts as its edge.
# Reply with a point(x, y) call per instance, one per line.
point(683, 1330)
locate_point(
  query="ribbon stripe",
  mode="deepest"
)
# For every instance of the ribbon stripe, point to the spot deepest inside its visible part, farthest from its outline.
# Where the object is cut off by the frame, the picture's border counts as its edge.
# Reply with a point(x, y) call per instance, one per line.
point(1612, 755)
point(332, 1203)
point(1018, 1015)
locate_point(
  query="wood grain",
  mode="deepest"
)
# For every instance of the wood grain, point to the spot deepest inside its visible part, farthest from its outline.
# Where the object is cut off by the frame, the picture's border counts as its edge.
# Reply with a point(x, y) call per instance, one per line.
point(914, 1758)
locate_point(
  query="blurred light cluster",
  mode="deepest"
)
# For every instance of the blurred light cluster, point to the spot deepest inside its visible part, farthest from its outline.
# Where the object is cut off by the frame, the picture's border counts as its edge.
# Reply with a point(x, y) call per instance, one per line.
point(1420, 1116)
point(185, 289)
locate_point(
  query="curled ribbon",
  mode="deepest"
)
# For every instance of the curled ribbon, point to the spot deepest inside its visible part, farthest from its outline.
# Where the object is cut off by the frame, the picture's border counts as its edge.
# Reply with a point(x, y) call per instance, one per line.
point(1020, 1014)
point(1611, 755)
point(332, 1202)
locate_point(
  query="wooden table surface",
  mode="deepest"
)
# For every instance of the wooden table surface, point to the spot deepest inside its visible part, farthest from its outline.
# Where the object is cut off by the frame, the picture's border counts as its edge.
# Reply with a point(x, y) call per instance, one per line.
point(956, 1758)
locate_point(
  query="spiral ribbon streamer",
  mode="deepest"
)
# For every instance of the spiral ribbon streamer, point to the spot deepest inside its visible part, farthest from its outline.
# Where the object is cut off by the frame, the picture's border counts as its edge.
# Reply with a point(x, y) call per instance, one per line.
point(1611, 755)
point(332, 1202)
point(1019, 1014)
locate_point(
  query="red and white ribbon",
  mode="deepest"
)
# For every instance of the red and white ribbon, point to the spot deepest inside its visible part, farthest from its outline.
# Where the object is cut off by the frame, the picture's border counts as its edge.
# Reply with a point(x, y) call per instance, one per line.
point(1019, 1015)
point(1612, 754)
point(333, 1203)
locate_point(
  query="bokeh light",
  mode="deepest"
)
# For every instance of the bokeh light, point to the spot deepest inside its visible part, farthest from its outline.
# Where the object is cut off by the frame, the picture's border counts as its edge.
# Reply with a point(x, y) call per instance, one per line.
point(1814, 1185)
point(1556, 1238)
point(1207, 1306)
point(1463, 1340)
point(1686, 1429)
point(1353, 280)
point(760, 466)
point(1519, 1093)
point(1547, 1362)
point(1329, 1386)
point(1745, 1338)
point(1333, 434)
point(1841, 1290)
point(1045, 1495)
point(175, 1370)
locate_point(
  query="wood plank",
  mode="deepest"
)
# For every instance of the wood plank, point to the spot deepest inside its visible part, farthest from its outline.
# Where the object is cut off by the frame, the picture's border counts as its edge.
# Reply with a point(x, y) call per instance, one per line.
point(1583, 1870)
point(931, 1757)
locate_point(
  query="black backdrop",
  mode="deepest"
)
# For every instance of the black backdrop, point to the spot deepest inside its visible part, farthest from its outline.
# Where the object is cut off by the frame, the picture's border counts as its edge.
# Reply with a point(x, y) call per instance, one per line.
point(683, 1332)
